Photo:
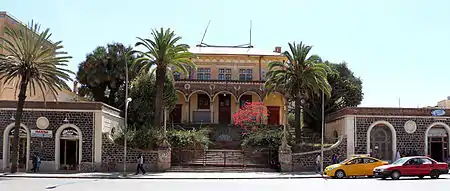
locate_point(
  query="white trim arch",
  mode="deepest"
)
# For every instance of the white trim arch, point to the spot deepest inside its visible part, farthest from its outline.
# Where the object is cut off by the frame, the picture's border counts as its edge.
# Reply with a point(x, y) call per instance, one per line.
point(196, 91)
point(227, 92)
point(58, 143)
point(393, 132)
point(6, 150)
point(446, 127)
point(250, 93)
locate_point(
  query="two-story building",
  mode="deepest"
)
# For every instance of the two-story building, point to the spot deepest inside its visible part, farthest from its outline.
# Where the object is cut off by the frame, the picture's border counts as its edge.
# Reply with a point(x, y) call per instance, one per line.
point(225, 79)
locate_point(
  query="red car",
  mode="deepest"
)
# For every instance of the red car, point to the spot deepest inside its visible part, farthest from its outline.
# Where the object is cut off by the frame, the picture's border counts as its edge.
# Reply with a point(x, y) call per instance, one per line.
point(412, 166)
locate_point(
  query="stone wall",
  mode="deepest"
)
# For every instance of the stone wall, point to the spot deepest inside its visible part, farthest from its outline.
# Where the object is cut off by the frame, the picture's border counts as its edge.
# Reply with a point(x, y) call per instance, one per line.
point(406, 142)
point(46, 146)
point(112, 156)
point(307, 160)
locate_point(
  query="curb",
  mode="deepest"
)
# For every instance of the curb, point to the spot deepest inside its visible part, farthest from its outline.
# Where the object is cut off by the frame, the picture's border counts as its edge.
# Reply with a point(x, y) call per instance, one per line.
point(162, 178)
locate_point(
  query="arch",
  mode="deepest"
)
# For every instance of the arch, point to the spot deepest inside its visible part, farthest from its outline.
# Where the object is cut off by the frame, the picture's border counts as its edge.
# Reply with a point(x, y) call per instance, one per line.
point(196, 91)
point(182, 93)
point(6, 150)
point(446, 127)
point(394, 136)
point(58, 141)
point(250, 92)
point(276, 93)
point(224, 91)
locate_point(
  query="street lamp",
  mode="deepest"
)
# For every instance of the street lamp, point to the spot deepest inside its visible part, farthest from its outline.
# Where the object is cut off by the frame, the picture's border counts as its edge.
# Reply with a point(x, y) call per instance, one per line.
point(323, 124)
point(127, 100)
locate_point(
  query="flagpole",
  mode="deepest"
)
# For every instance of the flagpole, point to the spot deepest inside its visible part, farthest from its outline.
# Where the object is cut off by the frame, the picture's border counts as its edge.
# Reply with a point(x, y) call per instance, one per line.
point(323, 125)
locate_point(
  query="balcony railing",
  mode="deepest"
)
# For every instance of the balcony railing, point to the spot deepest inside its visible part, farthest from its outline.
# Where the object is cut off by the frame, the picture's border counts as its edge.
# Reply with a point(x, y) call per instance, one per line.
point(219, 81)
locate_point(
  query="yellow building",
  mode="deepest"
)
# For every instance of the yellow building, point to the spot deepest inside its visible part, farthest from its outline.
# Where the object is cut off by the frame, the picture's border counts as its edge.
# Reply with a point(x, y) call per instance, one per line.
point(225, 79)
point(8, 90)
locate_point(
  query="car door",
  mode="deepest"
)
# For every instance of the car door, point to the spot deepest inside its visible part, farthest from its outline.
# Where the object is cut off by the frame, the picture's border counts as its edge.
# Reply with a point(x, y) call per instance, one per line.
point(426, 166)
point(370, 164)
point(355, 167)
point(411, 167)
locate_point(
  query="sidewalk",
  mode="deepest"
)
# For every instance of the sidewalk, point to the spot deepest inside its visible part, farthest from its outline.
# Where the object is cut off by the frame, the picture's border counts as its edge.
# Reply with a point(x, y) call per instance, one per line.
point(168, 175)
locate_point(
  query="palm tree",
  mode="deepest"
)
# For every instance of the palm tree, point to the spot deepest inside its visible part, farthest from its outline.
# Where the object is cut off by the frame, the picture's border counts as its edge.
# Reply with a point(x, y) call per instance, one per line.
point(31, 61)
point(297, 77)
point(163, 52)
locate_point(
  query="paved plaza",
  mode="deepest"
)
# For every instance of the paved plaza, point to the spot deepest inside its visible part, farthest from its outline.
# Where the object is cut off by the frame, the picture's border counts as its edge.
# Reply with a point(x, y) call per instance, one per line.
point(38, 184)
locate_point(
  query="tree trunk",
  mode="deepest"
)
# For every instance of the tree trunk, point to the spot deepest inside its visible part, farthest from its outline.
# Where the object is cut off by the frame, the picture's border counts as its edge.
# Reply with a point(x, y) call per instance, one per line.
point(298, 113)
point(15, 143)
point(159, 98)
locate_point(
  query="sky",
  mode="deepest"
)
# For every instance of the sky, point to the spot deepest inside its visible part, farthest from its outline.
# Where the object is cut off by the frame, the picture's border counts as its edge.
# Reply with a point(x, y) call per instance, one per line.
point(393, 46)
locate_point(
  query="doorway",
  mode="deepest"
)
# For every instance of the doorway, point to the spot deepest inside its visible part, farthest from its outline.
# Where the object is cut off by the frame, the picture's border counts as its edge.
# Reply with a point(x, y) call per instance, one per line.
point(69, 154)
point(274, 115)
point(224, 108)
point(438, 144)
point(175, 115)
point(22, 155)
point(23, 148)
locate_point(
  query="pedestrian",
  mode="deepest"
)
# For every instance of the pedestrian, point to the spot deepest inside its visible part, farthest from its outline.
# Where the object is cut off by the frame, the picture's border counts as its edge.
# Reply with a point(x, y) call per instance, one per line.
point(318, 164)
point(34, 162)
point(140, 166)
point(38, 163)
point(335, 159)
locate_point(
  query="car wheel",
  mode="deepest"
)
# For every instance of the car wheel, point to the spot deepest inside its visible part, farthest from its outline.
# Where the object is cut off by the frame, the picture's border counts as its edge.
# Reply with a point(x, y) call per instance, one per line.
point(420, 177)
point(339, 174)
point(395, 175)
point(434, 174)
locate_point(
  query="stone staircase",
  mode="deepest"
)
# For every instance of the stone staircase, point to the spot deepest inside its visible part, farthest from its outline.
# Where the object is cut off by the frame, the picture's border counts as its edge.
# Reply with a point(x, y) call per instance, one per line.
point(221, 158)
point(218, 169)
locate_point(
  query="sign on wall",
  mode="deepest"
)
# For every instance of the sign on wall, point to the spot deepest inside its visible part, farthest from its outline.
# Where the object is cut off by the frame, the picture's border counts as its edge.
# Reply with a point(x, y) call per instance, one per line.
point(438, 112)
point(41, 133)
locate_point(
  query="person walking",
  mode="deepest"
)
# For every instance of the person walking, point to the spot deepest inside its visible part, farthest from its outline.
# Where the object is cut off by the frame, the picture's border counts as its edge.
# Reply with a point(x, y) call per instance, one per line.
point(38, 163)
point(140, 166)
point(34, 162)
point(318, 164)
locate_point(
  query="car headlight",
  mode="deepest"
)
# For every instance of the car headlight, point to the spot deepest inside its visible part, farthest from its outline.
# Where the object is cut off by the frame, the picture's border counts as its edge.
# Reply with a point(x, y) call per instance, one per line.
point(330, 168)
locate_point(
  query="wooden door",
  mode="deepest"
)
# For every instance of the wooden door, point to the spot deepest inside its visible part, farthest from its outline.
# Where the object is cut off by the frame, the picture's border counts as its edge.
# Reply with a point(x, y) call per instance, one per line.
point(274, 115)
point(224, 109)
point(175, 115)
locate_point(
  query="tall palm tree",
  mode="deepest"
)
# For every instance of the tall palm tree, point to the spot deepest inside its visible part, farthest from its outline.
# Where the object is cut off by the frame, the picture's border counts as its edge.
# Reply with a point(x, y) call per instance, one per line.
point(163, 51)
point(31, 61)
point(298, 76)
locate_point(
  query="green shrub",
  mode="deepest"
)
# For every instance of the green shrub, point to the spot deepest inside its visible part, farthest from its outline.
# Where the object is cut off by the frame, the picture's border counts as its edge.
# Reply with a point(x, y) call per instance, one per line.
point(145, 137)
point(189, 139)
point(264, 137)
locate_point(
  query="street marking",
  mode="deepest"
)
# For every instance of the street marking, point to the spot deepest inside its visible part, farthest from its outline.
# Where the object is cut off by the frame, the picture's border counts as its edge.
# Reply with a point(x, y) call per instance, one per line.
point(68, 183)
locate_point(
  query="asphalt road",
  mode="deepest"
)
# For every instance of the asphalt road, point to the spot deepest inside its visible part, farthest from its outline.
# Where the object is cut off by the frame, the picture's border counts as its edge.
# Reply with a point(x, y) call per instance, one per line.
point(408, 184)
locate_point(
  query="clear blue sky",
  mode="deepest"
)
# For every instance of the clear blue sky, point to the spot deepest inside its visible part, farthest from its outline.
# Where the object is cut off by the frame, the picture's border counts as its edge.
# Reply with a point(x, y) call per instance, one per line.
point(397, 47)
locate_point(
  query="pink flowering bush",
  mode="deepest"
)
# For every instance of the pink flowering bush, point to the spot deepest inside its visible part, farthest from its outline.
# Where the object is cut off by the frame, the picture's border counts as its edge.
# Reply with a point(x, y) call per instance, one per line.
point(250, 115)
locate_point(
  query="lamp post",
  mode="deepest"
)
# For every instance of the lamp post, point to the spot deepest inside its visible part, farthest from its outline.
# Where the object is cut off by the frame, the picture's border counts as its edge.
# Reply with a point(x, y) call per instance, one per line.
point(127, 100)
point(323, 124)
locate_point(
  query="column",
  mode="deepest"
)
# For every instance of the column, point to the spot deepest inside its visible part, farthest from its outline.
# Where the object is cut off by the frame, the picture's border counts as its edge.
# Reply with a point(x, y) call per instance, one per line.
point(211, 111)
point(186, 112)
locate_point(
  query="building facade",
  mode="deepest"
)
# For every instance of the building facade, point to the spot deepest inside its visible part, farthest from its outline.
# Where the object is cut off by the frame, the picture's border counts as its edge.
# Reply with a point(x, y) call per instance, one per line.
point(382, 132)
point(225, 79)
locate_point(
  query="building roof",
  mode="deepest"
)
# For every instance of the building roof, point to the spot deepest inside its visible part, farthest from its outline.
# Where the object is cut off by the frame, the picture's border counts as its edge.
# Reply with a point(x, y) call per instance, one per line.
point(232, 51)
point(386, 111)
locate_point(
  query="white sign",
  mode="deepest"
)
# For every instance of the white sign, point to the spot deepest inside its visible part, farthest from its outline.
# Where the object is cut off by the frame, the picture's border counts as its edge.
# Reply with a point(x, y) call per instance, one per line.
point(41, 133)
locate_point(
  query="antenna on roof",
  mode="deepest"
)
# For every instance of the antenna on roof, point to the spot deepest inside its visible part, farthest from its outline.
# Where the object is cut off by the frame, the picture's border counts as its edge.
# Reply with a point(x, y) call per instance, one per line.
point(250, 44)
point(206, 30)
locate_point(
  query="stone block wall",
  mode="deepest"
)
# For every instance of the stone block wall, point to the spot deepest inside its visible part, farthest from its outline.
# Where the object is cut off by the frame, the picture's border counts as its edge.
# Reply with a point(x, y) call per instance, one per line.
point(307, 161)
point(112, 156)
point(406, 142)
point(46, 146)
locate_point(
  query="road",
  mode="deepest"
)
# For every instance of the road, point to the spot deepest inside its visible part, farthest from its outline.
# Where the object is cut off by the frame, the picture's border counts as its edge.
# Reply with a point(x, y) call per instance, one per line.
point(19, 184)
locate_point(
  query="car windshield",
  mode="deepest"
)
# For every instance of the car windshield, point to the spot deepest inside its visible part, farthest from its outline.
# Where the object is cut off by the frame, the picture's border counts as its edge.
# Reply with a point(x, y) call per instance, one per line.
point(400, 161)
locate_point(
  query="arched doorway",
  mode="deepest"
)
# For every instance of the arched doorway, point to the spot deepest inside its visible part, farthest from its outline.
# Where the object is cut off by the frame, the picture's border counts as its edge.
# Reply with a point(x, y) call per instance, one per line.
point(68, 147)
point(24, 147)
point(381, 142)
point(437, 141)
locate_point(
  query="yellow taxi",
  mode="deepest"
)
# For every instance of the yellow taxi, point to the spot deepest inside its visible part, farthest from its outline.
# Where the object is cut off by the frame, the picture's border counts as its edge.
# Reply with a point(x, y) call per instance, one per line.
point(354, 166)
